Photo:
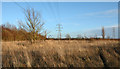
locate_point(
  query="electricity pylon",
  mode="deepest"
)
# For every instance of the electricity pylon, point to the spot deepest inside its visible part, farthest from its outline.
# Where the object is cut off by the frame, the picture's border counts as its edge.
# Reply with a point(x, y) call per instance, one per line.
point(113, 32)
point(59, 26)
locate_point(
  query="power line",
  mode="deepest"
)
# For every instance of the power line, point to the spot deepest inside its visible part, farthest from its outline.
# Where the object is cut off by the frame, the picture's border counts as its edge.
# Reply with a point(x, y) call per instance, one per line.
point(56, 13)
point(19, 6)
point(53, 10)
point(27, 3)
point(58, 10)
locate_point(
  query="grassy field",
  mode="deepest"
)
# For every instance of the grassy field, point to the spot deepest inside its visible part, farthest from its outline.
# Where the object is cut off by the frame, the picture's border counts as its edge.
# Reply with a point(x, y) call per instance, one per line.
point(63, 53)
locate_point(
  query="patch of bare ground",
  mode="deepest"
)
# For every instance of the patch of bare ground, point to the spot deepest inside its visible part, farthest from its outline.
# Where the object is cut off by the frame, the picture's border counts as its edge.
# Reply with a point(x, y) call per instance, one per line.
point(63, 53)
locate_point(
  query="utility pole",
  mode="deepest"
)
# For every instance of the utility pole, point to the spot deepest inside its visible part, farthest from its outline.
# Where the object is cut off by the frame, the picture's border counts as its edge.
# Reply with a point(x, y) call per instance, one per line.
point(113, 32)
point(59, 26)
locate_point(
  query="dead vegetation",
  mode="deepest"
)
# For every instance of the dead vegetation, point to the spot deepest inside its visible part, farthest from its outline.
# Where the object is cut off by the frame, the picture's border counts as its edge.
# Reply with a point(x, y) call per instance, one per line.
point(66, 53)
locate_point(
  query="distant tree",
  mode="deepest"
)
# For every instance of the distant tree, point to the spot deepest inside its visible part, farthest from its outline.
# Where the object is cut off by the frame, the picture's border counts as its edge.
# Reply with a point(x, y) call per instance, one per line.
point(7, 25)
point(85, 36)
point(68, 36)
point(49, 36)
point(108, 37)
point(10, 26)
point(103, 33)
point(11, 29)
point(46, 33)
point(33, 24)
point(95, 36)
point(79, 36)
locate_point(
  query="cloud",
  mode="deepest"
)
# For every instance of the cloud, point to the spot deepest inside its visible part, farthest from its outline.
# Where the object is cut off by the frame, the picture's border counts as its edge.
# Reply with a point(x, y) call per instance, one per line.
point(116, 26)
point(108, 12)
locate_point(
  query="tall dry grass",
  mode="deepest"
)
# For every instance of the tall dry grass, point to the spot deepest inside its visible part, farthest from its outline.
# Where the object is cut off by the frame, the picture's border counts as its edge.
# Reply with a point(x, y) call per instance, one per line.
point(64, 53)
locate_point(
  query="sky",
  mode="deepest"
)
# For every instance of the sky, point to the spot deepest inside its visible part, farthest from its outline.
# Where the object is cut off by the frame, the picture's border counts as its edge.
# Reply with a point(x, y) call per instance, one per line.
point(75, 17)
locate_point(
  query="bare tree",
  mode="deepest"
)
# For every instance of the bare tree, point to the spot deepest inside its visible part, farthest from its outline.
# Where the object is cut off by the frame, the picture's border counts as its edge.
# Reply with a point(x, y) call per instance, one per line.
point(33, 24)
point(49, 36)
point(46, 34)
point(103, 32)
point(95, 35)
point(79, 36)
point(85, 37)
point(68, 36)
point(108, 37)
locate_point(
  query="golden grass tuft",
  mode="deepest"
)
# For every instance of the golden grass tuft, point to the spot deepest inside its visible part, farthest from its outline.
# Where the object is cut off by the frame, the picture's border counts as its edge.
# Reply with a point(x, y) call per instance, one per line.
point(64, 53)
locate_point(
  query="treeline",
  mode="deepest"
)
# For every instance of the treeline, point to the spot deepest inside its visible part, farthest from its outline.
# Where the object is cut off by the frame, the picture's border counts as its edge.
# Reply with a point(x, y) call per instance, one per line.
point(80, 39)
point(11, 33)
